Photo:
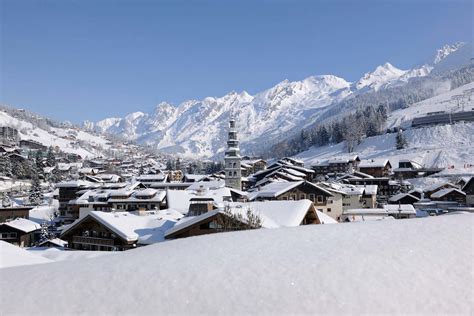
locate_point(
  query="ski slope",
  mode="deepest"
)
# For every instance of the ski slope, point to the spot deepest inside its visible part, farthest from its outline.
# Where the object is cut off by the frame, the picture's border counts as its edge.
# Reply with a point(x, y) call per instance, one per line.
point(436, 146)
point(442, 102)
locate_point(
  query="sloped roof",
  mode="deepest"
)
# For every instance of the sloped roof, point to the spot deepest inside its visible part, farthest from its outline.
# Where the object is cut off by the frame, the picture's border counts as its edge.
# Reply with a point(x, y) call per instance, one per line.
point(373, 163)
point(436, 186)
point(275, 189)
point(144, 229)
point(22, 224)
point(274, 214)
point(444, 192)
point(400, 196)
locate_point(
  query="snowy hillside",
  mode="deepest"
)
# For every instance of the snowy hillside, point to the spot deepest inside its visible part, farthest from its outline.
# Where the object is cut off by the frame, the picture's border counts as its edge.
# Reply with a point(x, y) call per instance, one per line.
point(68, 139)
point(442, 102)
point(437, 146)
point(198, 127)
point(315, 269)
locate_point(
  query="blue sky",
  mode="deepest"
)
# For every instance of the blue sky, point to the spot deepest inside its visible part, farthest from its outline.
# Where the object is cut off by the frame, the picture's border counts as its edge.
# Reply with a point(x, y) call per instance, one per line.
point(79, 59)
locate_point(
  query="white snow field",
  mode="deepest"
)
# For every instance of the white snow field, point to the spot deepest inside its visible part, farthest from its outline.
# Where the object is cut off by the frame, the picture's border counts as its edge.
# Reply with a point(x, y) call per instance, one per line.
point(11, 256)
point(417, 266)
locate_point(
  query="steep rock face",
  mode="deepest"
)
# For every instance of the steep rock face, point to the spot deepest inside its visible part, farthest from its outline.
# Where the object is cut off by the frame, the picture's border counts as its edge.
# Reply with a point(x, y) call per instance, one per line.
point(198, 127)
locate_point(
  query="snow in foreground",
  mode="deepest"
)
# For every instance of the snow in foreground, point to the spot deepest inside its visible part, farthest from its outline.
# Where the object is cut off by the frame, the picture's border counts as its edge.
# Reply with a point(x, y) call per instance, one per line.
point(421, 266)
point(11, 256)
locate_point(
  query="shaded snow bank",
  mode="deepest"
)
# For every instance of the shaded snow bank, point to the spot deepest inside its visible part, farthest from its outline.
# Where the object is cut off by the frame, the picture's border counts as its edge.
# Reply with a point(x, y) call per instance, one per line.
point(421, 266)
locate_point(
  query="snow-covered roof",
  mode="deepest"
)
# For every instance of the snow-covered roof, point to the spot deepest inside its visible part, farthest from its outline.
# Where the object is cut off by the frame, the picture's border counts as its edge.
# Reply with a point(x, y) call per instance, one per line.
point(146, 193)
point(404, 208)
point(22, 224)
point(216, 184)
point(325, 219)
point(274, 189)
point(373, 163)
point(145, 229)
point(195, 177)
point(74, 184)
point(443, 192)
point(400, 196)
point(180, 199)
point(273, 214)
point(436, 186)
point(55, 241)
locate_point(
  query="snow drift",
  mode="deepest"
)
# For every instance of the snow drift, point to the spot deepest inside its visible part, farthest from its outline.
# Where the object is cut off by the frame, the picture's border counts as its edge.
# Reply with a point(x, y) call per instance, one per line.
point(421, 266)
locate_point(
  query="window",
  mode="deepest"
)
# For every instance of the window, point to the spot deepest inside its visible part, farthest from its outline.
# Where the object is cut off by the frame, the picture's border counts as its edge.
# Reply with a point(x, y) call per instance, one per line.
point(329, 210)
point(311, 197)
point(320, 199)
point(293, 197)
point(302, 196)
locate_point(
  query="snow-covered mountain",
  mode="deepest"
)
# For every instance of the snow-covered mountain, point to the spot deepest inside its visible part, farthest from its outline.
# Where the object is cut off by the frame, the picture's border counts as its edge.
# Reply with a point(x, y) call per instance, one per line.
point(432, 146)
point(67, 138)
point(198, 127)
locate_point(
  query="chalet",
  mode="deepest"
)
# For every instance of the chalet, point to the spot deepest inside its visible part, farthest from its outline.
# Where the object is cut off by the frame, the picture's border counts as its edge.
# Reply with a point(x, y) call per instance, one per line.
point(323, 199)
point(197, 200)
point(109, 177)
point(14, 157)
point(468, 188)
point(410, 168)
point(356, 196)
point(9, 213)
point(451, 195)
point(8, 149)
point(376, 167)
point(9, 135)
point(293, 161)
point(281, 170)
point(403, 198)
point(386, 186)
point(343, 164)
point(251, 166)
point(417, 193)
point(117, 231)
point(149, 179)
point(68, 191)
point(53, 243)
point(429, 190)
point(31, 145)
point(272, 214)
point(20, 231)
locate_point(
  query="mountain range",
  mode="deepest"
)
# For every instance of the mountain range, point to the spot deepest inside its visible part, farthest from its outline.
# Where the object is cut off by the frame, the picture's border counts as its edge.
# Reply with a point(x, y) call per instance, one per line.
point(198, 128)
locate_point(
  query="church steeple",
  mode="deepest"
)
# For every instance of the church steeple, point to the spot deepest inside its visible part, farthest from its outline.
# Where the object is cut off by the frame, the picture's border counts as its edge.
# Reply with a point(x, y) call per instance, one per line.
point(233, 174)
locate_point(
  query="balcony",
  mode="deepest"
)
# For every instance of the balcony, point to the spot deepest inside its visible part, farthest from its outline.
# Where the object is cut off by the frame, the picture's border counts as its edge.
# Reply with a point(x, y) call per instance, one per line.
point(92, 241)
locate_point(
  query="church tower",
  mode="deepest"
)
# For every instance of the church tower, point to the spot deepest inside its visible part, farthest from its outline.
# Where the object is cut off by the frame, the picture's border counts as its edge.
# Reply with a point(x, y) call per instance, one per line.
point(233, 174)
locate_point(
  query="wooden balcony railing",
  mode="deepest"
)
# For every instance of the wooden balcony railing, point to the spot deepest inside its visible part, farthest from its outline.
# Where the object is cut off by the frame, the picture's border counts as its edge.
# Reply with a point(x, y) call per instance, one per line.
point(92, 241)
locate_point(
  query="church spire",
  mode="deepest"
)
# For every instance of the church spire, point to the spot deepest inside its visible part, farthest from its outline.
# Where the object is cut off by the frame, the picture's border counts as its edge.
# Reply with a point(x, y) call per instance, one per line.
point(233, 174)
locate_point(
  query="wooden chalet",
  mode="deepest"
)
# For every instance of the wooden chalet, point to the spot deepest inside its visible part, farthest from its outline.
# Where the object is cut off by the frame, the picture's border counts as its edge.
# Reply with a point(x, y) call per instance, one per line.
point(376, 167)
point(20, 232)
point(273, 214)
point(468, 188)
